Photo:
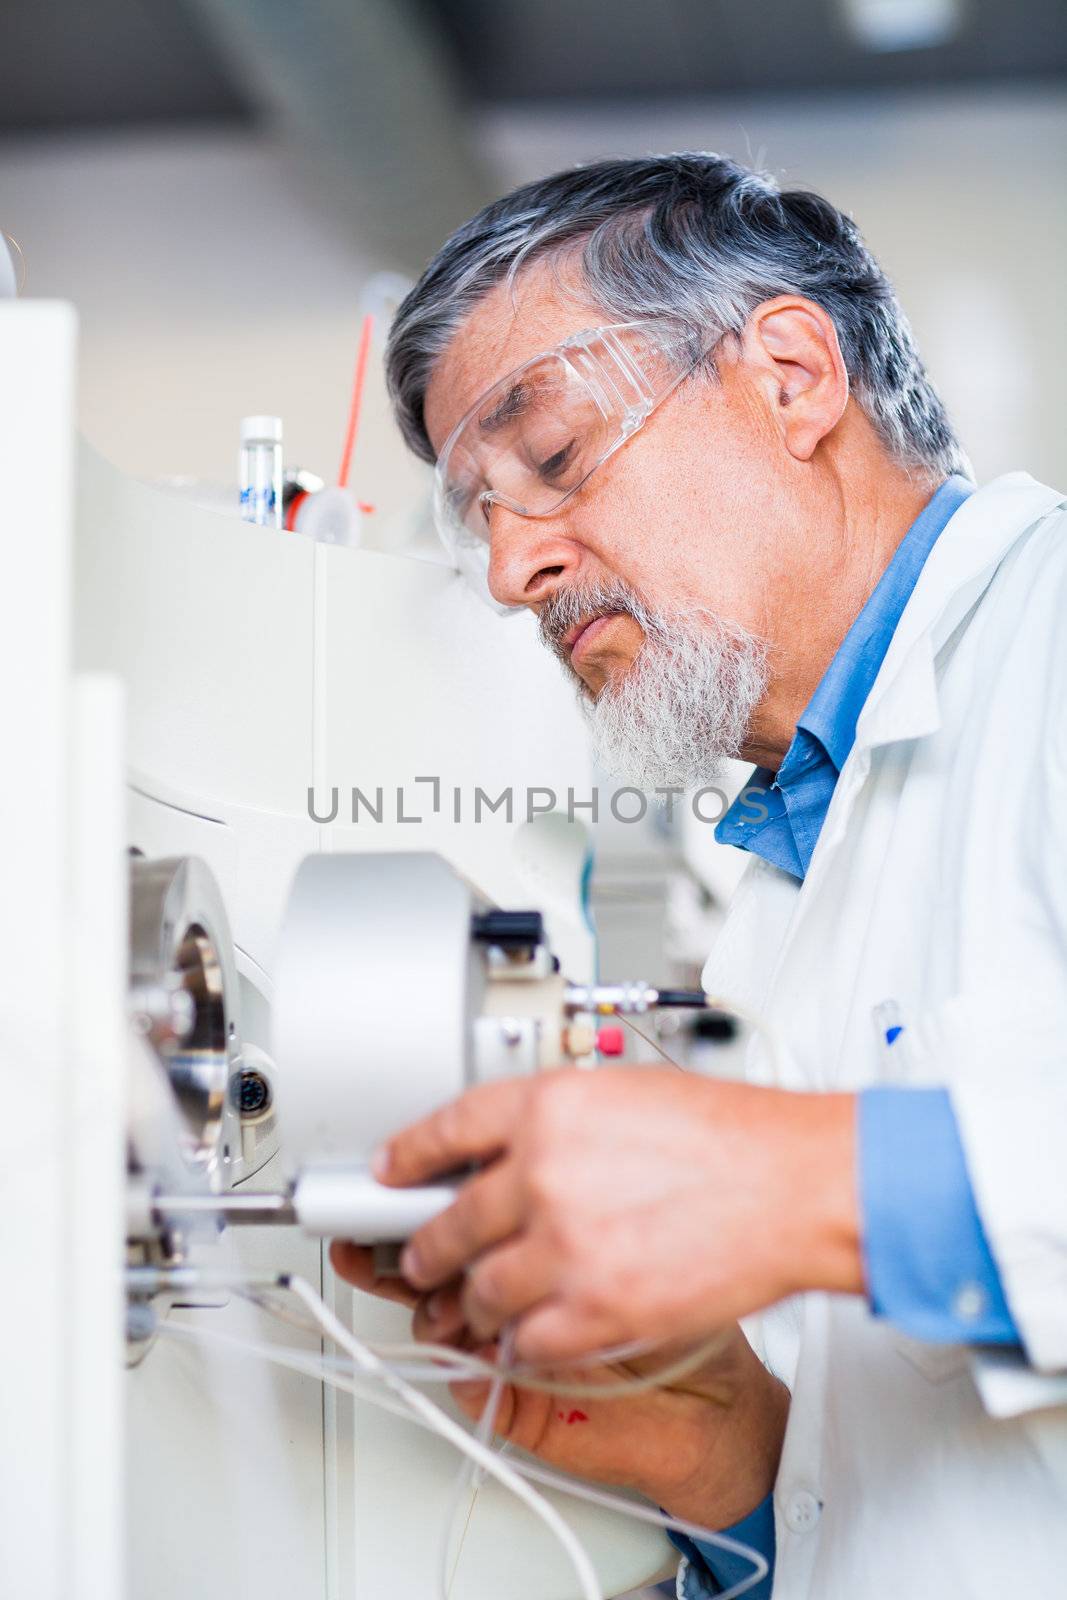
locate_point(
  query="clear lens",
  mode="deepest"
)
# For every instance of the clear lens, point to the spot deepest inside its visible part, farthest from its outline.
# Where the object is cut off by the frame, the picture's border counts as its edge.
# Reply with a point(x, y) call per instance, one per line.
point(536, 436)
point(530, 442)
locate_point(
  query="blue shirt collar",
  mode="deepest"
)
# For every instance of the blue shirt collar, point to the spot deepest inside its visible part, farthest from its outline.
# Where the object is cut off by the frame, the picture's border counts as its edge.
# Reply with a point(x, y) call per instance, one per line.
point(833, 711)
point(780, 815)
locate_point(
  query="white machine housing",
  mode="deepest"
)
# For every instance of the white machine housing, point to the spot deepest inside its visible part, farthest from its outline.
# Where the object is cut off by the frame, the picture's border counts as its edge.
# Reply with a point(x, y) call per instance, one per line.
point(262, 671)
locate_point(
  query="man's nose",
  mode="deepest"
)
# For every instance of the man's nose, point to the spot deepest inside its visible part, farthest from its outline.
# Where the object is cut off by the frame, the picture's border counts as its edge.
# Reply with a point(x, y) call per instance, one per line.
point(529, 558)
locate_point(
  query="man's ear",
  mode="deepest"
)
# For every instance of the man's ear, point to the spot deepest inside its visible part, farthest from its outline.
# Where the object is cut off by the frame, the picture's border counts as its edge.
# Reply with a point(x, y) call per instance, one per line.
point(791, 348)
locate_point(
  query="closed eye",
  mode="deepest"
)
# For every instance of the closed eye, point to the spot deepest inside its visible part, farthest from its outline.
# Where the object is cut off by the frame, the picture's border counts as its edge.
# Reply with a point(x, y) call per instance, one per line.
point(556, 463)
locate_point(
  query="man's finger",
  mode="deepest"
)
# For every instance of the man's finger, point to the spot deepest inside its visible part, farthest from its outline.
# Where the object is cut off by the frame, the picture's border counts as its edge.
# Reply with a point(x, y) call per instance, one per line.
point(439, 1316)
point(475, 1127)
point(486, 1210)
point(503, 1285)
point(553, 1334)
point(355, 1264)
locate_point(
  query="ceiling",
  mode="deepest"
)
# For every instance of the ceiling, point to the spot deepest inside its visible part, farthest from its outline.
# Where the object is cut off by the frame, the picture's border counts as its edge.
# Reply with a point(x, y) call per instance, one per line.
point(377, 100)
point(100, 63)
point(591, 49)
point(109, 62)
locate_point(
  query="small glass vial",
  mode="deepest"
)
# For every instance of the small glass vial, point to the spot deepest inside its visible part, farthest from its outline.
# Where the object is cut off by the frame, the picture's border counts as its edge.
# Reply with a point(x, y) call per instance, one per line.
point(261, 471)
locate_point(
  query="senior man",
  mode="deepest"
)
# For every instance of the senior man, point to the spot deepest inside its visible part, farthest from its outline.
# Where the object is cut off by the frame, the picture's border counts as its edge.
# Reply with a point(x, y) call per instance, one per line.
point(680, 416)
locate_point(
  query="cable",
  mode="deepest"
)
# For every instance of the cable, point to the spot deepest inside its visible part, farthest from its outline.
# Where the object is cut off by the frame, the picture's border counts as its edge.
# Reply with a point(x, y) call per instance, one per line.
point(311, 1366)
point(469, 1476)
point(506, 1352)
point(465, 1367)
point(632, 1025)
point(659, 1519)
point(640, 1383)
point(460, 1366)
point(443, 1424)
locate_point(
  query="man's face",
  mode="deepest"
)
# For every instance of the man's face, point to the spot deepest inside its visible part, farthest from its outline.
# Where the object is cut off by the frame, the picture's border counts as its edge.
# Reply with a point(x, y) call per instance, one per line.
point(686, 516)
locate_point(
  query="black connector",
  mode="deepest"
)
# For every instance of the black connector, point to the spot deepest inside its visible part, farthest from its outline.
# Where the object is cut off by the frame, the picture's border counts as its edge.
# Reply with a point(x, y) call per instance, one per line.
point(509, 930)
point(717, 1027)
point(682, 999)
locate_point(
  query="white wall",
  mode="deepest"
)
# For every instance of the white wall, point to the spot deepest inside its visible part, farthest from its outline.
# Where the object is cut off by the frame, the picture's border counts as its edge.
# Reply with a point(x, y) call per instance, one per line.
point(210, 284)
point(961, 197)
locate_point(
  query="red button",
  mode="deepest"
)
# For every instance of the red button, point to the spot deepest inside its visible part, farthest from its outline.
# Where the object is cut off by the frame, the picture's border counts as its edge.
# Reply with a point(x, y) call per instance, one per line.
point(610, 1041)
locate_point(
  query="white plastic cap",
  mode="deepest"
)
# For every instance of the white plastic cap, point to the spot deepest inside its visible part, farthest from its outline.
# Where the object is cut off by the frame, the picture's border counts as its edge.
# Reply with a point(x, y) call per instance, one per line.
point(267, 428)
point(332, 517)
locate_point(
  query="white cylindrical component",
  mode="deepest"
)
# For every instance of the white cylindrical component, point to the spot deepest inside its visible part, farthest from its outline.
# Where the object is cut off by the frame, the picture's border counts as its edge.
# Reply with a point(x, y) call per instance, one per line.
point(377, 985)
point(348, 1203)
point(260, 471)
point(332, 516)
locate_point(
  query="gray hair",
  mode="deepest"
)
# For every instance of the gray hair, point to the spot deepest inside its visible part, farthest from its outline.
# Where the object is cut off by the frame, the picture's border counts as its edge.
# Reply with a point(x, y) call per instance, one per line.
point(700, 241)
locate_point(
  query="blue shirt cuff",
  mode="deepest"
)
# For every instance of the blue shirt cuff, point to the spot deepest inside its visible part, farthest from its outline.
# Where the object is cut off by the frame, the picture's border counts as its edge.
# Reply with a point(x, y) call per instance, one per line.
point(928, 1264)
point(724, 1568)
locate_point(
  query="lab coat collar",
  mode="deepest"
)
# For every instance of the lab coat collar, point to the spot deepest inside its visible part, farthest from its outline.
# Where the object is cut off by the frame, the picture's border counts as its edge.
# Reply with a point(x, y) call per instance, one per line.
point(903, 702)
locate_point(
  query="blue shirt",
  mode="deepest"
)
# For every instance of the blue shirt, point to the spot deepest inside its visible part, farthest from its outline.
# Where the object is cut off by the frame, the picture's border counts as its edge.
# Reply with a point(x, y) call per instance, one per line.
point(928, 1265)
point(779, 816)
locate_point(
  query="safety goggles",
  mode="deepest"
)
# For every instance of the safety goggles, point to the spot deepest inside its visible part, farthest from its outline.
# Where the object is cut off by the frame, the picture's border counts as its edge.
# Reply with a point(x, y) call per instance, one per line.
point(537, 435)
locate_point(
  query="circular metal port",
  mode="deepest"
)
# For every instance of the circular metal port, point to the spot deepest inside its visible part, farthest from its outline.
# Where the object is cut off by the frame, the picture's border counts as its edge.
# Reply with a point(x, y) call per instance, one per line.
point(250, 1093)
point(181, 992)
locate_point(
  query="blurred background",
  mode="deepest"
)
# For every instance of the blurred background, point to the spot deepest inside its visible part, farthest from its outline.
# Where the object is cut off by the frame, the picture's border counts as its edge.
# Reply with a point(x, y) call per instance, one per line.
point(215, 182)
point(220, 186)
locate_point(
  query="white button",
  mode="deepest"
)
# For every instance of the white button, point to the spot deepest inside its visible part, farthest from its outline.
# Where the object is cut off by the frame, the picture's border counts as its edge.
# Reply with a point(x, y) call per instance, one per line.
point(802, 1511)
point(970, 1302)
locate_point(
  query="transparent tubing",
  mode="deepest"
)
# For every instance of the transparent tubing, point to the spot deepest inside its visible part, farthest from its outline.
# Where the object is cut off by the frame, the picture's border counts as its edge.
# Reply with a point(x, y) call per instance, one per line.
point(472, 1367)
point(450, 1365)
point(418, 1404)
point(470, 1476)
point(312, 1366)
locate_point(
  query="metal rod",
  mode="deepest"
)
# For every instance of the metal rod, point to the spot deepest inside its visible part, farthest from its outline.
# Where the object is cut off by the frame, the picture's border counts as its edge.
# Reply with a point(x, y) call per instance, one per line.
point(632, 998)
point(610, 999)
point(157, 1280)
point(231, 1208)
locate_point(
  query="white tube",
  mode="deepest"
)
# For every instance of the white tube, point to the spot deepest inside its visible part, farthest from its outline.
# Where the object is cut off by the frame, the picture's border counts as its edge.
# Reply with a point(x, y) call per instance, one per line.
point(443, 1424)
point(349, 1203)
point(466, 1366)
point(470, 1476)
point(450, 1365)
point(312, 1366)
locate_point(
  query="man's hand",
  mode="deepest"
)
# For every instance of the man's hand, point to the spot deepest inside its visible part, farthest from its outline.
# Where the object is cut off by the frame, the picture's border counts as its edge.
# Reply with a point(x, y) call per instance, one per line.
point(706, 1449)
point(631, 1204)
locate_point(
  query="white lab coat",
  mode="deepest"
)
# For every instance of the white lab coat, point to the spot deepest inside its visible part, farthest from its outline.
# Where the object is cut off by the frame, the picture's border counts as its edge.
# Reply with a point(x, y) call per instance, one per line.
point(939, 881)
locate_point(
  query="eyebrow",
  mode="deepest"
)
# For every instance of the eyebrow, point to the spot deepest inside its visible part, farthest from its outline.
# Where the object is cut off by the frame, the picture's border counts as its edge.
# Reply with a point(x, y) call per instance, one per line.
point(510, 406)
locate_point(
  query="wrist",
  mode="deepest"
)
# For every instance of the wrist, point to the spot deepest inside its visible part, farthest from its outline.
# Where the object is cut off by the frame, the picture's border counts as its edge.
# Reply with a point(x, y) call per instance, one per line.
point(728, 1466)
point(827, 1247)
point(842, 1264)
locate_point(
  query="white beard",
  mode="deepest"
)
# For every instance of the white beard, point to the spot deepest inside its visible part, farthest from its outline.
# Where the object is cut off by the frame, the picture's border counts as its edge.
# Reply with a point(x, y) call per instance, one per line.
point(686, 704)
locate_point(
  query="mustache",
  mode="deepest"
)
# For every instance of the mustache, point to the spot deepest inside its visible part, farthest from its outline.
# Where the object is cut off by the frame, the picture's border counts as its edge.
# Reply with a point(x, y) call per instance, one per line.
point(585, 603)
